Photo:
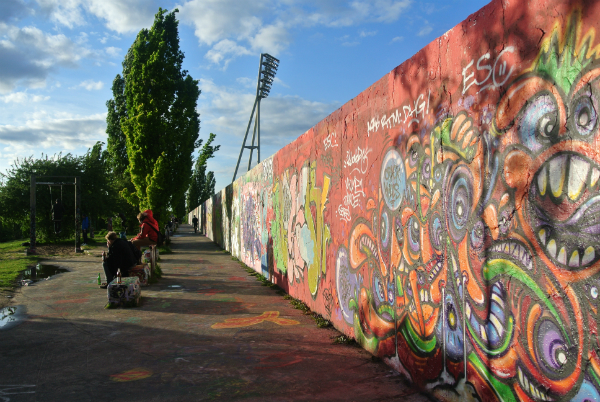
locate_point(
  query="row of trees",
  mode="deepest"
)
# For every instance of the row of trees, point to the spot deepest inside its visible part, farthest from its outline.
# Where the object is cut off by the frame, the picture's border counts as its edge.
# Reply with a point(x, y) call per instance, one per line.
point(152, 128)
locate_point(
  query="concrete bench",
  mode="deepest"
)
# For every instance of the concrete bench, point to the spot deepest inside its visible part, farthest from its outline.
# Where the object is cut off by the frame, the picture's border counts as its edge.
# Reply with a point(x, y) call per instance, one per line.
point(128, 293)
point(142, 272)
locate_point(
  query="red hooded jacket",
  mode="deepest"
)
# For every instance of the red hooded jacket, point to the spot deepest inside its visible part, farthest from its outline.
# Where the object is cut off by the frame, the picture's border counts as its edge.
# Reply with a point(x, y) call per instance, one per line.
point(146, 230)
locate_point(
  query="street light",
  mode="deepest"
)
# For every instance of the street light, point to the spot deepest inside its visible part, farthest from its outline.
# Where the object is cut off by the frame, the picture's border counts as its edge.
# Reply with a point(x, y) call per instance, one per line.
point(266, 74)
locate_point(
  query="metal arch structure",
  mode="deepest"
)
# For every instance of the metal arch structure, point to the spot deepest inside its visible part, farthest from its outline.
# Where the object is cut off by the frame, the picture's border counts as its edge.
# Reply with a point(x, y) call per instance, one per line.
point(32, 208)
point(266, 74)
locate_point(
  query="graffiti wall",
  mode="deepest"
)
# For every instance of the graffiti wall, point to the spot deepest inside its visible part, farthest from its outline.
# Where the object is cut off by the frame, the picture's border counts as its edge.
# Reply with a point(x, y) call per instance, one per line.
point(448, 217)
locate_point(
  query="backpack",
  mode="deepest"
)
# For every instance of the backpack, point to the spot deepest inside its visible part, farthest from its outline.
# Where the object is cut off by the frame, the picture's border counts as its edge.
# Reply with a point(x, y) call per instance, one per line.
point(160, 238)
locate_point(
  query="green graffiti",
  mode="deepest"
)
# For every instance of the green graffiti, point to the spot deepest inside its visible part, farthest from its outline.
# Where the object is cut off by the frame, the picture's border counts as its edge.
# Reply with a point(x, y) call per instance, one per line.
point(415, 342)
point(278, 231)
point(503, 391)
point(319, 231)
point(560, 59)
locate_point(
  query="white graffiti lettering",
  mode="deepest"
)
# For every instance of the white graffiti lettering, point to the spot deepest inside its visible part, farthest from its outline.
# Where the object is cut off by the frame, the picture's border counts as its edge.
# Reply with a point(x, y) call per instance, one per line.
point(496, 75)
point(344, 213)
point(360, 158)
point(353, 192)
point(330, 141)
point(407, 114)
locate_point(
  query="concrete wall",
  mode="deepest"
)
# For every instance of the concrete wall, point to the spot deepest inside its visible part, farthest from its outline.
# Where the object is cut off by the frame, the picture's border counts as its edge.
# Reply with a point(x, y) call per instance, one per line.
point(448, 217)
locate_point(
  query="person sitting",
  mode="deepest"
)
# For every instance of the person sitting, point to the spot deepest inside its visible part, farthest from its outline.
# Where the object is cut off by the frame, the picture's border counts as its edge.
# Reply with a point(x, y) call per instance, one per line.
point(120, 256)
point(195, 223)
point(148, 230)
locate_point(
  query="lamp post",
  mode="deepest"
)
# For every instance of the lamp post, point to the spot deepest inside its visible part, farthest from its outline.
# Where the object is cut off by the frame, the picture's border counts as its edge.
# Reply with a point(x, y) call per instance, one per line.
point(266, 74)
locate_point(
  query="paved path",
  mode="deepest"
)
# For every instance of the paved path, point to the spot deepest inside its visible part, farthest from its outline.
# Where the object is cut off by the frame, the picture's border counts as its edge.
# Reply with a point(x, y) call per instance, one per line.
point(185, 343)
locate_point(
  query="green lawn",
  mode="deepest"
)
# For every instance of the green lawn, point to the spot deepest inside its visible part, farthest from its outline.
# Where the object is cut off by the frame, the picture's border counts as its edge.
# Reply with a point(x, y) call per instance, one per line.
point(13, 261)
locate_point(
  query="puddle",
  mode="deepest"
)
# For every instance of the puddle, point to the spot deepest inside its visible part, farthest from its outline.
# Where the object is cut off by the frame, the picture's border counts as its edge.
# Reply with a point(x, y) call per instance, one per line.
point(42, 271)
point(174, 286)
point(10, 316)
point(176, 235)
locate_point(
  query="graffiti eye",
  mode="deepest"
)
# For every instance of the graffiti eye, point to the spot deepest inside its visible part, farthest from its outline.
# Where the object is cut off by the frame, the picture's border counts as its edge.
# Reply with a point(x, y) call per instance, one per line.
point(477, 234)
point(414, 156)
point(504, 222)
point(413, 234)
point(390, 292)
point(585, 116)
point(437, 233)
point(459, 206)
point(426, 169)
point(437, 175)
point(539, 123)
point(552, 348)
point(399, 232)
point(378, 289)
point(547, 125)
point(385, 225)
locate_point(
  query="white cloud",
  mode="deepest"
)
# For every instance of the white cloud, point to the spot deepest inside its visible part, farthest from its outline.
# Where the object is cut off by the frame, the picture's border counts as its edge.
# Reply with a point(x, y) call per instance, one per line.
point(112, 51)
point(28, 55)
point(119, 15)
point(91, 85)
point(425, 30)
point(234, 28)
point(225, 51)
point(398, 39)
point(364, 34)
point(66, 133)
point(22, 97)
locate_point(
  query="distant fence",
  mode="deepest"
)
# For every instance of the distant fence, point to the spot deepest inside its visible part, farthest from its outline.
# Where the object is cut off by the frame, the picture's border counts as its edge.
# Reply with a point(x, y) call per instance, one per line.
point(447, 217)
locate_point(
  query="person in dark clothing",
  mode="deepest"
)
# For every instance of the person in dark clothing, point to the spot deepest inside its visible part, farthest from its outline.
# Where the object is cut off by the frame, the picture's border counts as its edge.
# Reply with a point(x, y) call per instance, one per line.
point(195, 223)
point(85, 227)
point(57, 215)
point(120, 256)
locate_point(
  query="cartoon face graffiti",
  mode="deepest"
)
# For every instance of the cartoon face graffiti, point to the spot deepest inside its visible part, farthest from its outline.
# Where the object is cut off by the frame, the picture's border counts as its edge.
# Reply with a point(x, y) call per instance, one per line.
point(550, 186)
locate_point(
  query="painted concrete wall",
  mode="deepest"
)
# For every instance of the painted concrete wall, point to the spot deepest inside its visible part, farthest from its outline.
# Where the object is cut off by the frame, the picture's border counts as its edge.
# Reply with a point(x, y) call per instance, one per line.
point(448, 217)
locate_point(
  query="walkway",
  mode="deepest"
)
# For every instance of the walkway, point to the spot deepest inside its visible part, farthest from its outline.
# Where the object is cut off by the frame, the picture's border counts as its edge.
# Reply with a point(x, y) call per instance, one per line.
point(207, 330)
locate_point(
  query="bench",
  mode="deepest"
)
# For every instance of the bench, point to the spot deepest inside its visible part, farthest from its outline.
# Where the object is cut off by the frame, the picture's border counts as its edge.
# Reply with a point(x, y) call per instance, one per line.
point(142, 272)
point(128, 293)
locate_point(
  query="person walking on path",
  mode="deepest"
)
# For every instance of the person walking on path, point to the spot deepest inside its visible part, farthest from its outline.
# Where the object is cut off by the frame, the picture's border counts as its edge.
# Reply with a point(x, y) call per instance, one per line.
point(195, 223)
point(148, 230)
point(85, 226)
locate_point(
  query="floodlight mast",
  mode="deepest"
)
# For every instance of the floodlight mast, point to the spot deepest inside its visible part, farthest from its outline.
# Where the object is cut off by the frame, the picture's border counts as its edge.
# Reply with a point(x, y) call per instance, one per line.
point(267, 68)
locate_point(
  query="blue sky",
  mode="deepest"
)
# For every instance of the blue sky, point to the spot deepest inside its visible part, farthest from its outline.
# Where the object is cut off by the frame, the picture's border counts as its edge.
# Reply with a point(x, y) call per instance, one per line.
point(59, 58)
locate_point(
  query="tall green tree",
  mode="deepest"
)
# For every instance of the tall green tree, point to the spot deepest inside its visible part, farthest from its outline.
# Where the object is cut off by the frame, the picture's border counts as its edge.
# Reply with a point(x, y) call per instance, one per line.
point(203, 184)
point(161, 125)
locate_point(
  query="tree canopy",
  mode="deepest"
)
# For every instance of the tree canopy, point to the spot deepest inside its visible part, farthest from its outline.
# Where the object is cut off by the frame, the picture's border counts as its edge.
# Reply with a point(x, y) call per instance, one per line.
point(161, 124)
point(203, 184)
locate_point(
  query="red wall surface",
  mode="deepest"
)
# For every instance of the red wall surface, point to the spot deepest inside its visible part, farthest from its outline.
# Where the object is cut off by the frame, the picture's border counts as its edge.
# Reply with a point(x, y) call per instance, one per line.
point(448, 217)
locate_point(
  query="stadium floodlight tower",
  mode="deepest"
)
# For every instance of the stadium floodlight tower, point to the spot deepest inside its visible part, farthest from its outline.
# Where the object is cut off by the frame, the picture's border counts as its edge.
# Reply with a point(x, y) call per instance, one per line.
point(266, 74)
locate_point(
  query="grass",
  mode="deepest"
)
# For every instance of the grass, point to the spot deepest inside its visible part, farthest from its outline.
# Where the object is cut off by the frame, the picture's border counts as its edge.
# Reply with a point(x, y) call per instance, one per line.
point(13, 261)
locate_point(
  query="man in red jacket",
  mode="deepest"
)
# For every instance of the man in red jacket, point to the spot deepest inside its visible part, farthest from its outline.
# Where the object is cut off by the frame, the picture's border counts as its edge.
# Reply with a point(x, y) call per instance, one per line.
point(148, 230)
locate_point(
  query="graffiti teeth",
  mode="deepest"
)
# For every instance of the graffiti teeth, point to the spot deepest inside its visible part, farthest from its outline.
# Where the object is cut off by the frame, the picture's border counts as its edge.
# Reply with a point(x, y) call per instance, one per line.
point(578, 171)
point(557, 170)
point(551, 248)
point(594, 177)
point(528, 386)
point(588, 256)
point(562, 256)
point(542, 234)
point(543, 181)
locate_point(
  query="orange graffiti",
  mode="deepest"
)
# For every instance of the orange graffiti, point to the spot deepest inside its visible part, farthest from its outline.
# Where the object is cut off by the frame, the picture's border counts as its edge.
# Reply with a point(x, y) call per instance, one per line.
point(272, 316)
point(132, 375)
